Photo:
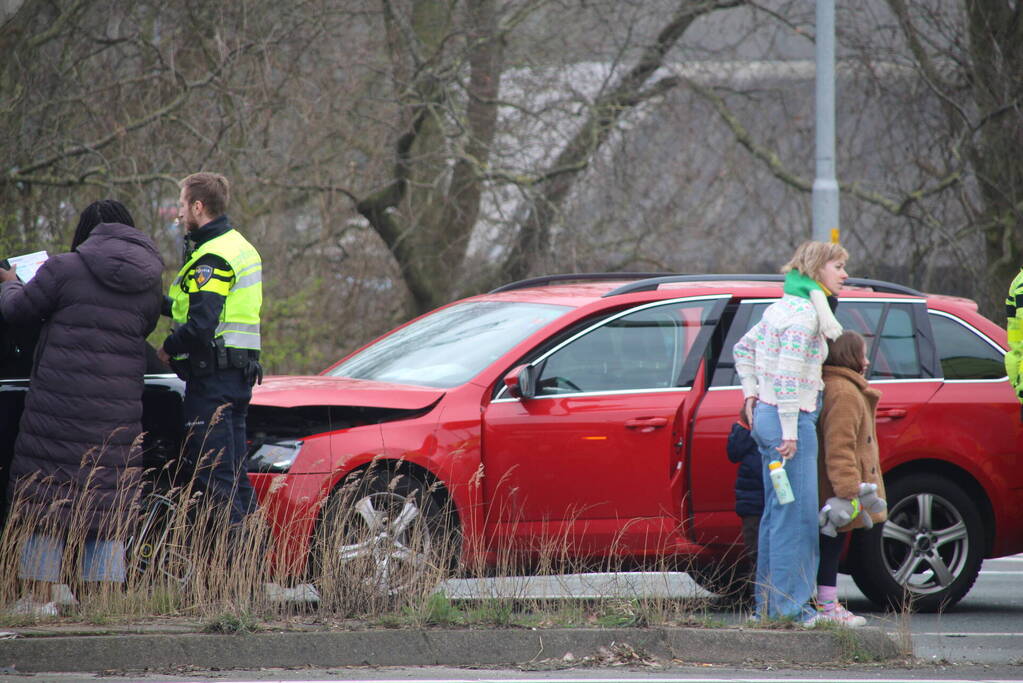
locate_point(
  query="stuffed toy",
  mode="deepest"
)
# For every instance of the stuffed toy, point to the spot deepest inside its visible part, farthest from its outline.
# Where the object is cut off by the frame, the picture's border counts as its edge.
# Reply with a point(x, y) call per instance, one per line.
point(870, 502)
point(806, 287)
point(837, 512)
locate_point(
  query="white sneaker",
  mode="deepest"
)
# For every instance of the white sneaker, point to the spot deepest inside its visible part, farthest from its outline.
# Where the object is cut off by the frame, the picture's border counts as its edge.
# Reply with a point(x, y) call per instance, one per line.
point(30, 607)
point(839, 615)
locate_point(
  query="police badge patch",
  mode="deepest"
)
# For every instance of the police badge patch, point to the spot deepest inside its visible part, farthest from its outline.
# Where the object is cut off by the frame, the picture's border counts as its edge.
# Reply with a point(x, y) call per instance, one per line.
point(202, 275)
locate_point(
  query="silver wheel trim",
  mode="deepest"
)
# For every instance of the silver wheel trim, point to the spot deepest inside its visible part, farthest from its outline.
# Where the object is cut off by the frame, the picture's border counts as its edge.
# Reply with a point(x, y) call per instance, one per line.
point(150, 547)
point(921, 558)
point(397, 546)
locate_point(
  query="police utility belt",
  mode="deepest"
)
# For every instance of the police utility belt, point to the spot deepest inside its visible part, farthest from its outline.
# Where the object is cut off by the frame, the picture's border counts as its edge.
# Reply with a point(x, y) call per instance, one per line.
point(217, 356)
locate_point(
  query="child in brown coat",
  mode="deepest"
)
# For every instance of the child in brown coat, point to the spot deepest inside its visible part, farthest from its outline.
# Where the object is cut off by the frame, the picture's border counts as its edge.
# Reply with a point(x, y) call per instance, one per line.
point(848, 457)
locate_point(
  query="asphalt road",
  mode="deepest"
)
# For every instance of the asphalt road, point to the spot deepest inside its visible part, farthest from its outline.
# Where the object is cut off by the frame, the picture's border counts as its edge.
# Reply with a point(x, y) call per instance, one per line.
point(986, 627)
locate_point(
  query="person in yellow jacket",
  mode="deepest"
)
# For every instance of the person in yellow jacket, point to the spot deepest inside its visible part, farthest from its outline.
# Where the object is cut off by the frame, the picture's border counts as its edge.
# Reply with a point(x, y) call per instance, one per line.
point(1014, 328)
point(214, 345)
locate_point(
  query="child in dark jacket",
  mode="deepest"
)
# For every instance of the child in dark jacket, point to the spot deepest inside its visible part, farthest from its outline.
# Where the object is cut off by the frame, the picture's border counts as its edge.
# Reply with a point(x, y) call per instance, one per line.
point(749, 489)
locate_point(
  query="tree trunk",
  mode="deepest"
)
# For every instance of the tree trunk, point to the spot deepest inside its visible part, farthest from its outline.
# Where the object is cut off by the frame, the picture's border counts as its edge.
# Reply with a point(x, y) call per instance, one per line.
point(995, 33)
point(426, 215)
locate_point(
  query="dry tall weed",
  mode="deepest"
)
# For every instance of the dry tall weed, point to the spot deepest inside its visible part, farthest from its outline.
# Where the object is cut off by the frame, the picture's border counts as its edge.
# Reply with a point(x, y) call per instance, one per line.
point(384, 542)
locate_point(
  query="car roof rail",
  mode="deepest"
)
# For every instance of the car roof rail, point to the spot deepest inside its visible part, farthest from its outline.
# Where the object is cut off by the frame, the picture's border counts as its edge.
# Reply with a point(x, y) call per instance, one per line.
point(655, 282)
point(883, 286)
point(545, 280)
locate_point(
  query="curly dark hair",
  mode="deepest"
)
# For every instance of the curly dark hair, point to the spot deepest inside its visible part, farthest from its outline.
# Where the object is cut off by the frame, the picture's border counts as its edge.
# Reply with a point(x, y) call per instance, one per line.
point(103, 211)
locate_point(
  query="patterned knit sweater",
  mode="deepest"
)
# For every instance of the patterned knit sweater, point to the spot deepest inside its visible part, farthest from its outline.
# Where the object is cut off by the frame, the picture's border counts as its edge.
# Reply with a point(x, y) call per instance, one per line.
point(779, 360)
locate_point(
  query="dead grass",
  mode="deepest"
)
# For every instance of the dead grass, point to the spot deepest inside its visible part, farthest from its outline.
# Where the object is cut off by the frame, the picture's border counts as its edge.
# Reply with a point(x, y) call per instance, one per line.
point(385, 542)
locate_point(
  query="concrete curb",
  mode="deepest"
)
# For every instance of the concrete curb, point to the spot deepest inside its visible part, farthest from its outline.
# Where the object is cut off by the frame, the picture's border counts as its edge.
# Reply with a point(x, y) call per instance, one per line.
point(450, 647)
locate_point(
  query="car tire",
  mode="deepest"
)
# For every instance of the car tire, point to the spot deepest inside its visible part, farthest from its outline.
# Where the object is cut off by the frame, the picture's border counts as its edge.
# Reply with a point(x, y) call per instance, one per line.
point(383, 536)
point(928, 554)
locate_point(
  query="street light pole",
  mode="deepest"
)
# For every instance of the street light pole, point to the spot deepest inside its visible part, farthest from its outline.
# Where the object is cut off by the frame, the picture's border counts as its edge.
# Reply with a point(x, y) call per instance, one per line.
point(825, 186)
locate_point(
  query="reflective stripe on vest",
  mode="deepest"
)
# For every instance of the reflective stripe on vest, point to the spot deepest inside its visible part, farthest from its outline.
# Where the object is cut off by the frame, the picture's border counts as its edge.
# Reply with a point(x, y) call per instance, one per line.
point(239, 319)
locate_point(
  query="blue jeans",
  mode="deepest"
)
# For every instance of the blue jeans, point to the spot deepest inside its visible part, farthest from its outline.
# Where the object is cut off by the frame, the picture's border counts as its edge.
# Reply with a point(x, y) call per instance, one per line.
point(789, 548)
point(42, 559)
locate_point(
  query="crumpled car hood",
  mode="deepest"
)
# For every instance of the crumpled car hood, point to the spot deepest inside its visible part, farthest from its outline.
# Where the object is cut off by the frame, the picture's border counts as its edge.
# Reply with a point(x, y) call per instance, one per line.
point(293, 391)
point(288, 408)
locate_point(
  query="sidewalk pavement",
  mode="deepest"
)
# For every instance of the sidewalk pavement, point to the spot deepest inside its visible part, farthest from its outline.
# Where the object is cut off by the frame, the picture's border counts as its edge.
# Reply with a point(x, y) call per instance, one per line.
point(85, 648)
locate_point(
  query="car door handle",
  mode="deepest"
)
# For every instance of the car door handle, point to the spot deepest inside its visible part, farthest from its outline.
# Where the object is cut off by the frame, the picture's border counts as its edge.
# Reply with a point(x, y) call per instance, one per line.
point(892, 413)
point(646, 424)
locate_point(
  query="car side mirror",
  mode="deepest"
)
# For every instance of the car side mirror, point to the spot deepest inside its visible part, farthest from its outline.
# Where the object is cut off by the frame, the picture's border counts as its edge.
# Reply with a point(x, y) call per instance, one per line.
point(521, 381)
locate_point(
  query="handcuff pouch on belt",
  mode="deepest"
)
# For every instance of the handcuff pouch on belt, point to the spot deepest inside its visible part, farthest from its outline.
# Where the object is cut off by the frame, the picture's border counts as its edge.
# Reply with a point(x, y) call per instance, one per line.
point(239, 359)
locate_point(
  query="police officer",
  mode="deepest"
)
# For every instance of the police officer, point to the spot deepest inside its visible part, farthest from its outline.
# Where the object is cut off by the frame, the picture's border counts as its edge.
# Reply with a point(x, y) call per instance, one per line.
point(214, 345)
point(1014, 328)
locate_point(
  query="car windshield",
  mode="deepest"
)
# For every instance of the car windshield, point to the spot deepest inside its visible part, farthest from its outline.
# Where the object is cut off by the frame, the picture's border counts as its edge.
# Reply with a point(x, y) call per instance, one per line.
point(451, 346)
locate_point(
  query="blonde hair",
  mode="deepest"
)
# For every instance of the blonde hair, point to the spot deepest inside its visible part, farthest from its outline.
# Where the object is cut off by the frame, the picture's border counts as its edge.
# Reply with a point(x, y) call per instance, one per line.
point(811, 257)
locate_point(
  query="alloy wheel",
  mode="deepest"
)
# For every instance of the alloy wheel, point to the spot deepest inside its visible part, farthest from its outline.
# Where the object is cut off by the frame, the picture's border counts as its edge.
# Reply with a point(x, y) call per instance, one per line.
point(925, 544)
point(387, 541)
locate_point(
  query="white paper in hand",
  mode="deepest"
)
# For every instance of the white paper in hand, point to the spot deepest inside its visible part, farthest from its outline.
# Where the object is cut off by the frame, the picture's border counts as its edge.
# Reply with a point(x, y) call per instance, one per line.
point(28, 264)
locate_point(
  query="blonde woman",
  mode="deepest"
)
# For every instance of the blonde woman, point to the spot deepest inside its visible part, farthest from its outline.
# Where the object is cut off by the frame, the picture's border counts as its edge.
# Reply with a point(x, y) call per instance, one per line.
point(779, 365)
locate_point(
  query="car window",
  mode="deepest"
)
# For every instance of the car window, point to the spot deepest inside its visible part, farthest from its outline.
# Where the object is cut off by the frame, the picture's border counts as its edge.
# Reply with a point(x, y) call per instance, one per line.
point(861, 316)
point(963, 353)
point(888, 328)
point(645, 349)
point(894, 353)
point(724, 371)
point(450, 346)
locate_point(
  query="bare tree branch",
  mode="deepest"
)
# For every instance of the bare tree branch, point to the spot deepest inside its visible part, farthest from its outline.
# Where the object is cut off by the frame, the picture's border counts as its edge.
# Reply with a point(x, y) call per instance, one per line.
point(87, 180)
point(55, 29)
point(778, 169)
point(308, 187)
point(606, 111)
point(19, 174)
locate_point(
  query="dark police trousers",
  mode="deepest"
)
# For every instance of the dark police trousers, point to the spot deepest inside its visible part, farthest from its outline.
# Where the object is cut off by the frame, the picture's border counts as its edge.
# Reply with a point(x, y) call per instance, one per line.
point(214, 409)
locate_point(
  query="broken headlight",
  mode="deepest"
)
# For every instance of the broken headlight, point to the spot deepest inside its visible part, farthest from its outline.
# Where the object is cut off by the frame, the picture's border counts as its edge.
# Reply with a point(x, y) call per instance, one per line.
point(274, 457)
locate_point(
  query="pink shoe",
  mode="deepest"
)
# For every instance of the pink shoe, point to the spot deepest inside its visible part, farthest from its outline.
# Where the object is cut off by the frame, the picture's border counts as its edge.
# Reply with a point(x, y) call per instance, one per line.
point(839, 615)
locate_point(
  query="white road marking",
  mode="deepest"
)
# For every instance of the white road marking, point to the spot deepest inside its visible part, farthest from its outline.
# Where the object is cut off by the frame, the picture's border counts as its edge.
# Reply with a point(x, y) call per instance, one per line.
point(548, 677)
point(976, 634)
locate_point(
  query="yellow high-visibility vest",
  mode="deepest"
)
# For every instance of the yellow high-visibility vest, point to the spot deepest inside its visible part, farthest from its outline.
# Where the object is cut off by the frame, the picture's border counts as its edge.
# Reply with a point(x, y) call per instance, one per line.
point(1014, 328)
point(239, 320)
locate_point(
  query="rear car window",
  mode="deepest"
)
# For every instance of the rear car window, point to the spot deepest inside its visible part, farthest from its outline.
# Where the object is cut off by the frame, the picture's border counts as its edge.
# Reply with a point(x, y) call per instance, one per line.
point(964, 353)
point(889, 330)
point(888, 327)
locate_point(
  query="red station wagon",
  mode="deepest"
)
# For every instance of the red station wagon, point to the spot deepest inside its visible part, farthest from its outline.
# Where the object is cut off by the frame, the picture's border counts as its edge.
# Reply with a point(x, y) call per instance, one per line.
point(591, 412)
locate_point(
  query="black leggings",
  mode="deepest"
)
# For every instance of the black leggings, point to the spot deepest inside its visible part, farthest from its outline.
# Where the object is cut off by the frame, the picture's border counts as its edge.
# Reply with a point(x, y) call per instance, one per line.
point(831, 549)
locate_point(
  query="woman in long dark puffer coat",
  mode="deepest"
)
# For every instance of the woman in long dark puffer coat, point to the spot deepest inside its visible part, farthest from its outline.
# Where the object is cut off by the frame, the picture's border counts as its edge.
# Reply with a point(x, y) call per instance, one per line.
point(75, 473)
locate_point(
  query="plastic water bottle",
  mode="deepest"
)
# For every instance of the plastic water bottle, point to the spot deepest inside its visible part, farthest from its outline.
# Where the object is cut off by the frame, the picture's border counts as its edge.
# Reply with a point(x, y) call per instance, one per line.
point(782, 488)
